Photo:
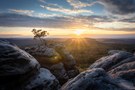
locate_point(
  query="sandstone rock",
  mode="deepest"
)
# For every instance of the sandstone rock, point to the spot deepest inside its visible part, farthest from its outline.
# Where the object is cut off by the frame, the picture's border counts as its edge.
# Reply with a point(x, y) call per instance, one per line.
point(59, 71)
point(119, 74)
point(73, 72)
point(128, 60)
point(111, 52)
point(15, 65)
point(41, 50)
point(95, 79)
point(67, 58)
point(109, 61)
point(44, 80)
point(17, 68)
point(128, 75)
point(123, 67)
point(44, 55)
point(125, 71)
point(58, 60)
point(120, 65)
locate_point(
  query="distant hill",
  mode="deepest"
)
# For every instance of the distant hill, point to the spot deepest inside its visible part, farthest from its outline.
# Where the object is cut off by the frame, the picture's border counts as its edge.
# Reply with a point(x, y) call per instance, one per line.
point(117, 41)
point(29, 41)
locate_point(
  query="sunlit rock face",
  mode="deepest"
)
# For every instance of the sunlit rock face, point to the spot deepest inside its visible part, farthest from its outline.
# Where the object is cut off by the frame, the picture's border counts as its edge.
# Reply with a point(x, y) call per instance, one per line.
point(41, 50)
point(95, 79)
point(57, 59)
point(44, 54)
point(20, 71)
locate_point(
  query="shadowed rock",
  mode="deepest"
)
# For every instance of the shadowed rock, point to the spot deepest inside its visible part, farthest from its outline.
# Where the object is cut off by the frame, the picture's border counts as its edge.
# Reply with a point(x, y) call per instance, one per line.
point(59, 71)
point(128, 60)
point(68, 61)
point(111, 52)
point(128, 75)
point(43, 80)
point(67, 58)
point(125, 71)
point(58, 60)
point(123, 67)
point(95, 79)
point(120, 65)
point(19, 69)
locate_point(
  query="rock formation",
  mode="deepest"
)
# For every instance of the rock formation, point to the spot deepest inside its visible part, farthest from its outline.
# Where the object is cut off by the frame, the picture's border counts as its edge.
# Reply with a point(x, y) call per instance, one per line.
point(20, 71)
point(95, 79)
point(109, 62)
point(113, 72)
point(57, 59)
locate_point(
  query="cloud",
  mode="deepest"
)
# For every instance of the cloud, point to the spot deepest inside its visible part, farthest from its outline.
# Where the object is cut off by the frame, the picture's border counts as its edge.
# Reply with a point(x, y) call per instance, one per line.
point(130, 20)
point(48, 21)
point(122, 26)
point(43, 1)
point(64, 22)
point(43, 15)
point(60, 9)
point(119, 6)
point(20, 11)
point(33, 13)
point(96, 18)
point(79, 4)
point(19, 20)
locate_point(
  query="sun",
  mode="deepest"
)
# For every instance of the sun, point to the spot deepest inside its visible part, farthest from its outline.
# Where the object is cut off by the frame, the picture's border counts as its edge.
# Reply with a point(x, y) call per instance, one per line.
point(78, 32)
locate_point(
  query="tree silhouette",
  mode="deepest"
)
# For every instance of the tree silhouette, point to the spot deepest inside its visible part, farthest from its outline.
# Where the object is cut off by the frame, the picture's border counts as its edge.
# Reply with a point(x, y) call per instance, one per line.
point(40, 34)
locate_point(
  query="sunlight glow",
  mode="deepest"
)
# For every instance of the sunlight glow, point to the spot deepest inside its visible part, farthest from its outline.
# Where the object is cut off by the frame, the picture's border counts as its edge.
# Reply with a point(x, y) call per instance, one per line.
point(79, 32)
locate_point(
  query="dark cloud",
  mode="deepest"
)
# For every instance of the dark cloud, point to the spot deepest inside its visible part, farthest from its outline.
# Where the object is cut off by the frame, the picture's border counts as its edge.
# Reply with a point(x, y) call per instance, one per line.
point(97, 18)
point(119, 6)
point(130, 20)
point(18, 20)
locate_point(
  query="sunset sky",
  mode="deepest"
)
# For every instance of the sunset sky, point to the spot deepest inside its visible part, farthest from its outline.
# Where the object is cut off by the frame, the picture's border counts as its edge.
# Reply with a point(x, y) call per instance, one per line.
point(95, 18)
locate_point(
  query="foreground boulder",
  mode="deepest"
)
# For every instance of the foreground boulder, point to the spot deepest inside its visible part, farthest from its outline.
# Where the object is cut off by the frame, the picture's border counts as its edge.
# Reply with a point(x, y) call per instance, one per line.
point(20, 71)
point(95, 79)
point(119, 65)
